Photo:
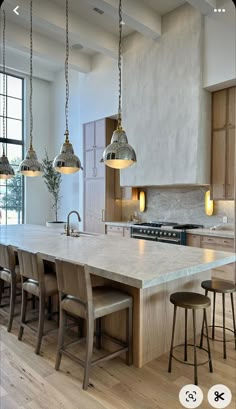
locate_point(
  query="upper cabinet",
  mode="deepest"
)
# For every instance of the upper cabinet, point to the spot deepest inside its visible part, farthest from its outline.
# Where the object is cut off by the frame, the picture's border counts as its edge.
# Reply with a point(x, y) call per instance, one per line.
point(99, 180)
point(223, 144)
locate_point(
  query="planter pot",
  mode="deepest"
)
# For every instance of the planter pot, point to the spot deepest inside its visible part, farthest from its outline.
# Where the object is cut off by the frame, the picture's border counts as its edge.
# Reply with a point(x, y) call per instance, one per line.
point(56, 225)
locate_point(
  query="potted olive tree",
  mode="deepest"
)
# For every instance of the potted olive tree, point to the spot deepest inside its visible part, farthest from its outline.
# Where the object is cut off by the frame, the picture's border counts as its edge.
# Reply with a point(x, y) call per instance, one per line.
point(53, 181)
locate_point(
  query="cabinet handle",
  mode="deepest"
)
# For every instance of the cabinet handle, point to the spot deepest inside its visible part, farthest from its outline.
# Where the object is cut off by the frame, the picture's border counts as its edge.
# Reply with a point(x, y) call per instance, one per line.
point(103, 215)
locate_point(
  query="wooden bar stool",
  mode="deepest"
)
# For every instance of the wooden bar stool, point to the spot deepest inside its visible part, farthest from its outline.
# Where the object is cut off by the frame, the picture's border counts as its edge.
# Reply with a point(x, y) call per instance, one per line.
point(9, 273)
point(220, 287)
point(37, 283)
point(79, 299)
point(190, 301)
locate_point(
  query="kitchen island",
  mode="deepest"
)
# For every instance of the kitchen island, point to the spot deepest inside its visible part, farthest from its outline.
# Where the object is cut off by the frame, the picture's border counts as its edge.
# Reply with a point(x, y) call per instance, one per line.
point(149, 271)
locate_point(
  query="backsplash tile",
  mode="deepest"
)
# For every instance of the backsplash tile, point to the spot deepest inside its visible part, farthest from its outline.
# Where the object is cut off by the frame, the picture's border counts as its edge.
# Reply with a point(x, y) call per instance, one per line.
point(180, 204)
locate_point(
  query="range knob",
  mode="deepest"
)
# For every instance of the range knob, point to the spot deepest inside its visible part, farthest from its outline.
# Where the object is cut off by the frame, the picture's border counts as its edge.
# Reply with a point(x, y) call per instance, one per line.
point(152, 232)
point(148, 232)
point(160, 233)
point(174, 234)
point(140, 231)
point(169, 234)
point(165, 233)
point(156, 232)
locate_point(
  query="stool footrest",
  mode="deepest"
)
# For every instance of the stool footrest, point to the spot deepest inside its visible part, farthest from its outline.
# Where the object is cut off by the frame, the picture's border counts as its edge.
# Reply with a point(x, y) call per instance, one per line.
point(186, 362)
point(221, 340)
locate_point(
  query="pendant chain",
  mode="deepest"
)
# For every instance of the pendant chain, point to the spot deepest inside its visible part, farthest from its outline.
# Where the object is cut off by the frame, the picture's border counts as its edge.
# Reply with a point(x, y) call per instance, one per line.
point(66, 65)
point(4, 78)
point(31, 75)
point(119, 62)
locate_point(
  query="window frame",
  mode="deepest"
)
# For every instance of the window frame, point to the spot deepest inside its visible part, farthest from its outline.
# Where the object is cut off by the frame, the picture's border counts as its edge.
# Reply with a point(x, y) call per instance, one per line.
point(8, 141)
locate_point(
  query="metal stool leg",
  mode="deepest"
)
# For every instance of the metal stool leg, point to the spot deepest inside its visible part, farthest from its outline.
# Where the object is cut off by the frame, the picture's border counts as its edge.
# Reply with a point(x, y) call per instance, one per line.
point(202, 331)
point(233, 316)
point(186, 335)
point(172, 339)
point(208, 341)
point(214, 313)
point(195, 348)
point(224, 336)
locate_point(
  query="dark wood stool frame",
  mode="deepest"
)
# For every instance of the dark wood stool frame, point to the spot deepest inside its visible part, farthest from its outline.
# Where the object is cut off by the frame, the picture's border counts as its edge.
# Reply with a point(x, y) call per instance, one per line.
point(213, 326)
point(195, 364)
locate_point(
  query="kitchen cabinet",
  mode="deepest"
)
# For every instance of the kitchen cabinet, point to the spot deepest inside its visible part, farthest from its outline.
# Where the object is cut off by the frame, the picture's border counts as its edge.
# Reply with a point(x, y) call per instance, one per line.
point(223, 144)
point(226, 272)
point(124, 192)
point(117, 231)
point(99, 180)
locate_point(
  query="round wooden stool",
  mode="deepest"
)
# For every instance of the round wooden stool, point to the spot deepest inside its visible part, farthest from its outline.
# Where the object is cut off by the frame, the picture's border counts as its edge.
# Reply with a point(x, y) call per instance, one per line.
point(190, 301)
point(221, 287)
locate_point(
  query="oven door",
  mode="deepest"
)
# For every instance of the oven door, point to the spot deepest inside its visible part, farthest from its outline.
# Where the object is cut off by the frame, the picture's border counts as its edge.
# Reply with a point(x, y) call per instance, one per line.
point(139, 236)
point(168, 240)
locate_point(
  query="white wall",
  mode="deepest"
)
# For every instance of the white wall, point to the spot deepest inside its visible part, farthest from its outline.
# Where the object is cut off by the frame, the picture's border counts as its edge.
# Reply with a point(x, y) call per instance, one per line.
point(220, 48)
point(37, 209)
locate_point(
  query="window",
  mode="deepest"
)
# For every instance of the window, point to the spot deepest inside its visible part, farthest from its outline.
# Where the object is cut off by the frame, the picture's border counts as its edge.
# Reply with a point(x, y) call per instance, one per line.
point(11, 191)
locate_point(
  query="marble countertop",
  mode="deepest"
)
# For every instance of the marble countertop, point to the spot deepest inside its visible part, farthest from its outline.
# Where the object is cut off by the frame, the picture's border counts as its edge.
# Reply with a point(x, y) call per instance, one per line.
point(120, 224)
point(229, 234)
point(138, 263)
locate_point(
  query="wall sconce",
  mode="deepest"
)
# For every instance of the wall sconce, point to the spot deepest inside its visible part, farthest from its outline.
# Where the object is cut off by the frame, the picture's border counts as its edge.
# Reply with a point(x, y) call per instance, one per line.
point(142, 201)
point(209, 204)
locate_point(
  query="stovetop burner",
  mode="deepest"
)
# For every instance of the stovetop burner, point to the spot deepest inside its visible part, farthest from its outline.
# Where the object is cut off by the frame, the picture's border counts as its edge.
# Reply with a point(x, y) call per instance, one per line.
point(157, 224)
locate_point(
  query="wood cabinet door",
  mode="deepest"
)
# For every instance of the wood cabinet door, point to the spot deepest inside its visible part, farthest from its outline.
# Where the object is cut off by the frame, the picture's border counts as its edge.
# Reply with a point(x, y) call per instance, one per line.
point(230, 164)
point(89, 136)
point(99, 166)
point(90, 164)
point(100, 133)
point(94, 205)
point(218, 176)
point(219, 109)
point(232, 106)
point(193, 240)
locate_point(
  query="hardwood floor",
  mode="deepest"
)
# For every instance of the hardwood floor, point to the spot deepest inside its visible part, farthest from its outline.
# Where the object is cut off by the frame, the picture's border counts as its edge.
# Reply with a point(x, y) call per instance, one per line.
point(30, 381)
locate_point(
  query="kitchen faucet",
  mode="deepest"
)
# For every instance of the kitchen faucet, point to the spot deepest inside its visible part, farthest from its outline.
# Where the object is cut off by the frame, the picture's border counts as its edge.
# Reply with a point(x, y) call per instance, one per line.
point(68, 221)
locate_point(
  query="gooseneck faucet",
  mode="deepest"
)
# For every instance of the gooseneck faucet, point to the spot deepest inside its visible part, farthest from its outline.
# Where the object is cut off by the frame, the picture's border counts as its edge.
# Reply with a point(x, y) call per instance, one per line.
point(68, 221)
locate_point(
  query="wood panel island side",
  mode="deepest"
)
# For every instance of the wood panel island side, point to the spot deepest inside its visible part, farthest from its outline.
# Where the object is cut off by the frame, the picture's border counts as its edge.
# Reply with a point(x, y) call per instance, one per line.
point(148, 270)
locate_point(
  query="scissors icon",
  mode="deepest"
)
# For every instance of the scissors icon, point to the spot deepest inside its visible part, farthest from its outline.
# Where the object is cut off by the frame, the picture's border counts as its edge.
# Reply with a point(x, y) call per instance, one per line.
point(218, 396)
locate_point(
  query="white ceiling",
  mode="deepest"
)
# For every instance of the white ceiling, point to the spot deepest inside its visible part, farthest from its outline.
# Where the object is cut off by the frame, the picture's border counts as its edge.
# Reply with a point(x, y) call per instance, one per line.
point(97, 33)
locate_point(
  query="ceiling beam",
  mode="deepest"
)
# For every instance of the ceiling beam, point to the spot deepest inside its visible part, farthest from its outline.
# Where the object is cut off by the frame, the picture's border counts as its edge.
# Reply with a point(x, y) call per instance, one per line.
point(51, 17)
point(17, 38)
point(204, 6)
point(134, 13)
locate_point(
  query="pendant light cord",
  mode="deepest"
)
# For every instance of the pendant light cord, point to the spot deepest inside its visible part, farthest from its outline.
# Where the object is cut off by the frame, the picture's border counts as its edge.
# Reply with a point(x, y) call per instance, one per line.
point(119, 64)
point(4, 79)
point(31, 75)
point(66, 68)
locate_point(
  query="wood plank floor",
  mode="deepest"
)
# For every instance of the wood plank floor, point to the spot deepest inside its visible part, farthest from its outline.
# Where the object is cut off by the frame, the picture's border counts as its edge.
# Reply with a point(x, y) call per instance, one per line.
point(30, 381)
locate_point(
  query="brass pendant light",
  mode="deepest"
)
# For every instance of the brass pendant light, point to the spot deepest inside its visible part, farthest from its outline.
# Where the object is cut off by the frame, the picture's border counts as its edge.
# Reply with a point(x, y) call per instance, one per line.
point(67, 162)
point(119, 154)
point(6, 170)
point(30, 166)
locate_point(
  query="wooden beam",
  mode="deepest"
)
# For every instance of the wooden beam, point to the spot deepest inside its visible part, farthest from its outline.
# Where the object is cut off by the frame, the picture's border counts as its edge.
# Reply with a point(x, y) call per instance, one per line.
point(135, 13)
point(50, 17)
point(204, 6)
point(18, 38)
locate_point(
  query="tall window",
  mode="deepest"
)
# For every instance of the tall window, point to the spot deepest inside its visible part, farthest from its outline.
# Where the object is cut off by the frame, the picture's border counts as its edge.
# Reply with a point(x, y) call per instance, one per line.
point(11, 191)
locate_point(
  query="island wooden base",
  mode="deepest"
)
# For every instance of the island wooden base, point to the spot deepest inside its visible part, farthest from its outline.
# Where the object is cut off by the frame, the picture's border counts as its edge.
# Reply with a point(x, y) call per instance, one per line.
point(152, 317)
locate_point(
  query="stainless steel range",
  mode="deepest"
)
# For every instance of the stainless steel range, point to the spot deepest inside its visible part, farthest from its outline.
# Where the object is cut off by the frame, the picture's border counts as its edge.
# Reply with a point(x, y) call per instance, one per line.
point(167, 232)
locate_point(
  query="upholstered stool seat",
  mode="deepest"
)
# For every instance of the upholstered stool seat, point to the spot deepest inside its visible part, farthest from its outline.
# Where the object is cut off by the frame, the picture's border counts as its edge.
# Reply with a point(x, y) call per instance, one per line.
point(221, 287)
point(79, 299)
point(36, 282)
point(190, 301)
point(9, 273)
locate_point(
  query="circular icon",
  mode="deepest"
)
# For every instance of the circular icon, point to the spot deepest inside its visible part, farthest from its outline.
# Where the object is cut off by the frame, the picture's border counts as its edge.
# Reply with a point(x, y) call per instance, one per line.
point(219, 396)
point(190, 396)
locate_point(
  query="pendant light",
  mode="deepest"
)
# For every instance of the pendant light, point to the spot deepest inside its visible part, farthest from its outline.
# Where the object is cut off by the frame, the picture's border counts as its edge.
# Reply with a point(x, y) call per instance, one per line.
point(67, 162)
point(30, 166)
point(6, 170)
point(119, 154)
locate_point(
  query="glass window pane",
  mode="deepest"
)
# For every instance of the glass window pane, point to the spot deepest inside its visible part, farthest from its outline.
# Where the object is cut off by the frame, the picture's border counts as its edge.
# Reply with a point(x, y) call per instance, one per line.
point(14, 129)
point(14, 87)
point(1, 83)
point(14, 153)
point(14, 108)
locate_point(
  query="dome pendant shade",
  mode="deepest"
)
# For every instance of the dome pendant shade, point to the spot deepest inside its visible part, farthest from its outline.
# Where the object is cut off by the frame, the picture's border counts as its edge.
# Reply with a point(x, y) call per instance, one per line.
point(30, 166)
point(6, 170)
point(119, 154)
point(67, 162)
